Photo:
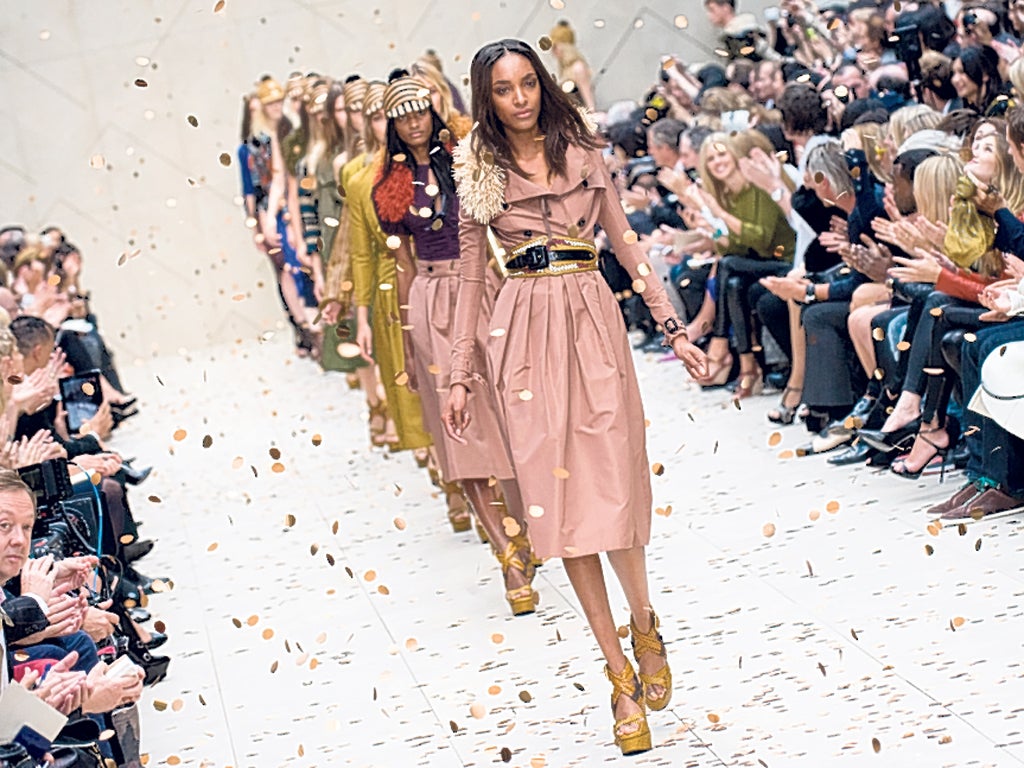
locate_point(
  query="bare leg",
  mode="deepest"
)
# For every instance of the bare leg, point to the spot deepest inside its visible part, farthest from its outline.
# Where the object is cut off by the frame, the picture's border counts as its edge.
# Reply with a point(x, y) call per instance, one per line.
point(491, 512)
point(859, 326)
point(587, 579)
point(702, 321)
point(793, 394)
point(630, 567)
point(908, 408)
point(296, 308)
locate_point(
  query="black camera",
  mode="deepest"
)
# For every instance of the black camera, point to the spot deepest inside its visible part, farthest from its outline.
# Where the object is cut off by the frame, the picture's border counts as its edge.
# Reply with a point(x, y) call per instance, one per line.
point(66, 517)
point(970, 19)
point(907, 41)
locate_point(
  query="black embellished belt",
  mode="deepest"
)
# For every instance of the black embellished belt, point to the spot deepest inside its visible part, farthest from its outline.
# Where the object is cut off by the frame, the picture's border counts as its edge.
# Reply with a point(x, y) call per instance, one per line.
point(544, 256)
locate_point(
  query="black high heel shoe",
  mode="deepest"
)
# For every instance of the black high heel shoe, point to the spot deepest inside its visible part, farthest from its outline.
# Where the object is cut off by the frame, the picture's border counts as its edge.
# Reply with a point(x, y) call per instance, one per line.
point(887, 442)
point(785, 414)
point(900, 467)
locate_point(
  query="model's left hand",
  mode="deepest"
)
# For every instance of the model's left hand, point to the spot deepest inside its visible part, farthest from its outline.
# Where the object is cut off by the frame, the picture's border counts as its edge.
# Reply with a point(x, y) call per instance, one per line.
point(693, 357)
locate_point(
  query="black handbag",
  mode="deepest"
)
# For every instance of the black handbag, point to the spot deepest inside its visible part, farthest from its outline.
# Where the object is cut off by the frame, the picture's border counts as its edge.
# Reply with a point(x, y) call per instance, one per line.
point(15, 756)
point(85, 755)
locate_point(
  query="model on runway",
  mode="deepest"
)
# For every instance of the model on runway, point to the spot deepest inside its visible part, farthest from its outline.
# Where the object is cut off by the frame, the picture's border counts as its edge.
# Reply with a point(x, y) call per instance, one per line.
point(558, 355)
point(416, 204)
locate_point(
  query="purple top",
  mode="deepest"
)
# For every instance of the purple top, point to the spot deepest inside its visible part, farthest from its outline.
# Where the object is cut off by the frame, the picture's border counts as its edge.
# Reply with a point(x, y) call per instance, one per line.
point(440, 244)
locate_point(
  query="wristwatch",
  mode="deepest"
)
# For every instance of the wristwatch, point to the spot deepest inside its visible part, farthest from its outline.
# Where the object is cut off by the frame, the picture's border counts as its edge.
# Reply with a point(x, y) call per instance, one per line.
point(809, 294)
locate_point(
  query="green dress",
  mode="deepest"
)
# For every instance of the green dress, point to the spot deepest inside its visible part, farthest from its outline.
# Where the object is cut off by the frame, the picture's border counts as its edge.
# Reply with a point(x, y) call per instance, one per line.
point(338, 279)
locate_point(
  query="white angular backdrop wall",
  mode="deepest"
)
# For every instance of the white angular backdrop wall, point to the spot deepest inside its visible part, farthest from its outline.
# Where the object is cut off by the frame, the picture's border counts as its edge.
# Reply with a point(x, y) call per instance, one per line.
point(160, 195)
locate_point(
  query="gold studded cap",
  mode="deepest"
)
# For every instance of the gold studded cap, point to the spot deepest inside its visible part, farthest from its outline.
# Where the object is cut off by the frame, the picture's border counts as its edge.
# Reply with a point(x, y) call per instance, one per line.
point(405, 95)
point(562, 33)
point(354, 93)
point(373, 99)
point(268, 91)
point(318, 96)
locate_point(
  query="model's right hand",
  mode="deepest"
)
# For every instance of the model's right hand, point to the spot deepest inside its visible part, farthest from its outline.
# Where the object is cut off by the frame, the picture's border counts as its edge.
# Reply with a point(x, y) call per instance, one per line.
point(364, 338)
point(455, 416)
point(330, 312)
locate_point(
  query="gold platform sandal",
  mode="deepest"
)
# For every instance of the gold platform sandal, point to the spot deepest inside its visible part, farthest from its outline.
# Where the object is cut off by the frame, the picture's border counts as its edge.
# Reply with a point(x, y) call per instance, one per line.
point(651, 642)
point(626, 684)
point(458, 507)
point(378, 422)
point(522, 600)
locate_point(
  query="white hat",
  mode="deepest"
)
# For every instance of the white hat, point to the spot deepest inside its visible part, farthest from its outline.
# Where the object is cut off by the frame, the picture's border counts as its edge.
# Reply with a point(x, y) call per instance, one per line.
point(1001, 394)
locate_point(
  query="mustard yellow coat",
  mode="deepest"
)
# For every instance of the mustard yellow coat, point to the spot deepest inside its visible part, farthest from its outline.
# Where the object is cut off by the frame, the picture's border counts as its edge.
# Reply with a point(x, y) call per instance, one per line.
point(373, 267)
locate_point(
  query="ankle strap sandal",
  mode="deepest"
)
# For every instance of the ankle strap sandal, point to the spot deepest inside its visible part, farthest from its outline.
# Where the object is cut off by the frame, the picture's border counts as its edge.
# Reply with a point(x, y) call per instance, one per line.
point(625, 683)
point(651, 642)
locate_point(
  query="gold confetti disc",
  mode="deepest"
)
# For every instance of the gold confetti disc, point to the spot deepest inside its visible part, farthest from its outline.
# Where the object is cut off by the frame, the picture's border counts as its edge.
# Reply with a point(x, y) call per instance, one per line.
point(277, 467)
point(768, 530)
point(525, 395)
point(878, 334)
point(544, 43)
point(393, 242)
point(681, 21)
point(497, 638)
point(814, 514)
point(399, 523)
point(535, 510)
point(658, 468)
point(639, 286)
point(180, 434)
point(401, 378)
point(561, 473)
point(832, 507)
point(629, 237)
point(478, 711)
point(349, 350)
point(774, 439)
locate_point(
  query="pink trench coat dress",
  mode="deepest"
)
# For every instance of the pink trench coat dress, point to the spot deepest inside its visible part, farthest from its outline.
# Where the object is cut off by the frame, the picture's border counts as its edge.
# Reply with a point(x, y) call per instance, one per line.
point(558, 356)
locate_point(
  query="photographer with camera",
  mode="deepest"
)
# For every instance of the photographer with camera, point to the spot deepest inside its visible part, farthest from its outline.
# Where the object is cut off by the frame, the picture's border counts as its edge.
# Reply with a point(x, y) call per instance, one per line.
point(75, 680)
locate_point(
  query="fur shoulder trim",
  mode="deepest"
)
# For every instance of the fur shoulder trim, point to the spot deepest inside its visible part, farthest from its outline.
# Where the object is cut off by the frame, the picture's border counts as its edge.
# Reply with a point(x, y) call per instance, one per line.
point(480, 182)
point(393, 194)
point(460, 125)
point(589, 119)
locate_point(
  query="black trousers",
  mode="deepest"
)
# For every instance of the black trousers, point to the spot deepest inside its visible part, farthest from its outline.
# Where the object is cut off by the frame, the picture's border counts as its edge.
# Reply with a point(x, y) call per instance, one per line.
point(834, 377)
point(735, 276)
point(772, 313)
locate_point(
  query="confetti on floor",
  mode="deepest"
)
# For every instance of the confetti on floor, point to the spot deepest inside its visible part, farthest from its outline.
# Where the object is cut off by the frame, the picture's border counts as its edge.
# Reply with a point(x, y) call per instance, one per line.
point(278, 654)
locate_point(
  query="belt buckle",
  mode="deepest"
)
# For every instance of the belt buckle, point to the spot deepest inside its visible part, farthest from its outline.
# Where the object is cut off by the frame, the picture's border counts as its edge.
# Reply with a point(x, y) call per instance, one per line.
point(536, 257)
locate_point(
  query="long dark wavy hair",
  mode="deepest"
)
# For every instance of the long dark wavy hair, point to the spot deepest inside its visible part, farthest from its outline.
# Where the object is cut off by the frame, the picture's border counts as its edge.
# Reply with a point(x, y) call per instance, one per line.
point(439, 152)
point(560, 122)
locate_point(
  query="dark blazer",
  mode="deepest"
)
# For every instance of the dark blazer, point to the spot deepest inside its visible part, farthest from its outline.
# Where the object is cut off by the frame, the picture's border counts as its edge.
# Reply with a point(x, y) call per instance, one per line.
point(21, 617)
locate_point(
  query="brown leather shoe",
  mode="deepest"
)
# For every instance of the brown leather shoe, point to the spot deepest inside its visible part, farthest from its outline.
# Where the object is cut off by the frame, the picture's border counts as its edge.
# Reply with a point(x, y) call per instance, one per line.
point(958, 499)
point(988, 502)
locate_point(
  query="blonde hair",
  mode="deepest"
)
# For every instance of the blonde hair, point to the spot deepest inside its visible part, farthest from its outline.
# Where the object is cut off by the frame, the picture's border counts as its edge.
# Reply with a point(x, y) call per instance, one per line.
point(934, 183)
point(1016, 76)
point(718, 141)
point(1009, 181)
point(871, 135)
point(909, 120)
point(424, 70)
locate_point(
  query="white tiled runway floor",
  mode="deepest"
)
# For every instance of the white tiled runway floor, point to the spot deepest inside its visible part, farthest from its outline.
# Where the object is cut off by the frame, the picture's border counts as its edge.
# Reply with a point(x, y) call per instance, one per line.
point(383, 644)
